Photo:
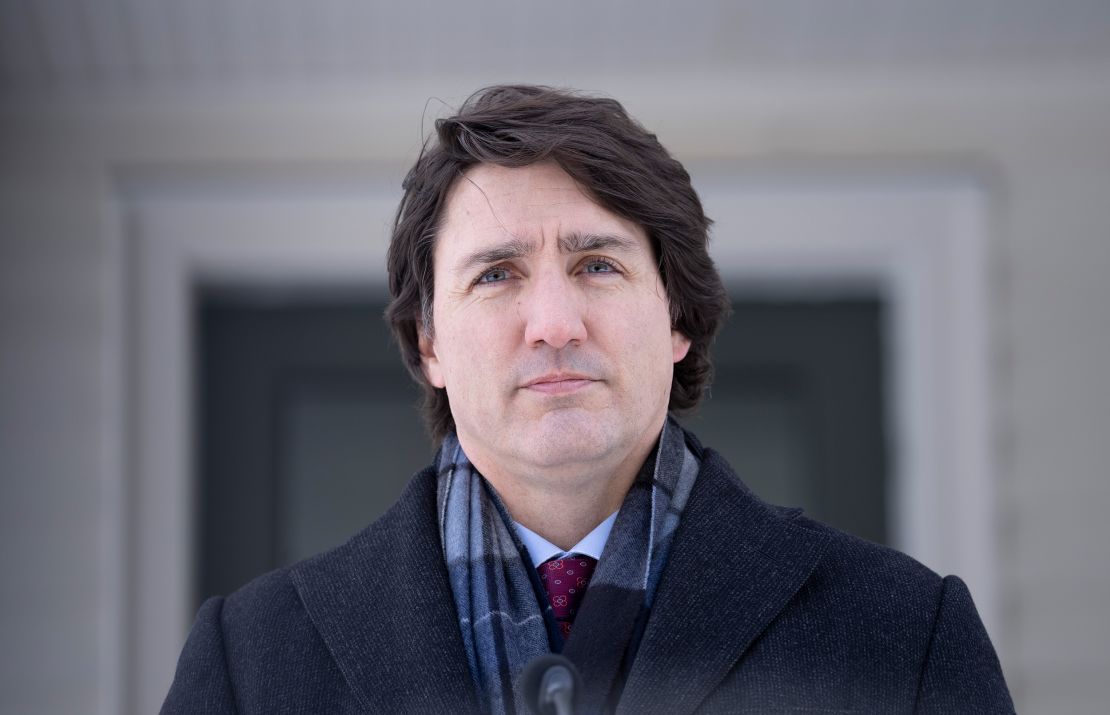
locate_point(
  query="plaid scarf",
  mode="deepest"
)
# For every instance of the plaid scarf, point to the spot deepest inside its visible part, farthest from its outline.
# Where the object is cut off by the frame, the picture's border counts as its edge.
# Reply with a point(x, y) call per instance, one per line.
point(504, 622)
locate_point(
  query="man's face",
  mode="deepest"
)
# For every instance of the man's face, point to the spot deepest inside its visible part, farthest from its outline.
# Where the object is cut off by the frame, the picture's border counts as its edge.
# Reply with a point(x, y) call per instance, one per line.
point(552, 332)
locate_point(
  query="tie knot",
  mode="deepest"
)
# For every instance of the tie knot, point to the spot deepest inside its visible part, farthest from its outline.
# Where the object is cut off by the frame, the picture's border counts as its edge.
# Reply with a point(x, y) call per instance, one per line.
point(565, 580)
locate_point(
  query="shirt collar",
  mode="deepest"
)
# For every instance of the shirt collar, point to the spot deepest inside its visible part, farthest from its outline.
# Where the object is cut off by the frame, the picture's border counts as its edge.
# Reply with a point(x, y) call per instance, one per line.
point(540, 549)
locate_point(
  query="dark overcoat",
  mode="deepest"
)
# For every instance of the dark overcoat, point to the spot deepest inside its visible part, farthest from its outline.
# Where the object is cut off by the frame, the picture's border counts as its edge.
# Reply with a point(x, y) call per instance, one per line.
point(759, 610)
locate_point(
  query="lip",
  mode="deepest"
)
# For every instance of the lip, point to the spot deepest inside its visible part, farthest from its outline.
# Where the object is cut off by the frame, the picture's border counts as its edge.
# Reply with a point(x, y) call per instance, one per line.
point(559, 383)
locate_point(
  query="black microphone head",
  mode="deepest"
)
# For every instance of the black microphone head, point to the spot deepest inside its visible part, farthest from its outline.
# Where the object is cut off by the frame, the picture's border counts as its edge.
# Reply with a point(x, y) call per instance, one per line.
point(551, 685)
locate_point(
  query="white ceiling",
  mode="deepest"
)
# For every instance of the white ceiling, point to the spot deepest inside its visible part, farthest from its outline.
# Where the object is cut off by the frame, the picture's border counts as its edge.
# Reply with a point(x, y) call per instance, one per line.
point(62, 47)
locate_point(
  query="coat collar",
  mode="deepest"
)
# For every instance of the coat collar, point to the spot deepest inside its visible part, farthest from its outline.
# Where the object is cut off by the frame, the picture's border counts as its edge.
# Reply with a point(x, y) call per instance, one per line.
point(410, 658)
point(734, 565)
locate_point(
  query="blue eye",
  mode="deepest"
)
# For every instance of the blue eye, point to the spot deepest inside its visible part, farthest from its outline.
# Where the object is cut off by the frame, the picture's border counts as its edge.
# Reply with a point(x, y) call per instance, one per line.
point(494, 276)
point(598, 266)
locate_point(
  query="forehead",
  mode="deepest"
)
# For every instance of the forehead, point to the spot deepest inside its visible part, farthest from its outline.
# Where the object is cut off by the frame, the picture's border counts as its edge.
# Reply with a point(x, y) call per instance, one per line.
point(536, 203)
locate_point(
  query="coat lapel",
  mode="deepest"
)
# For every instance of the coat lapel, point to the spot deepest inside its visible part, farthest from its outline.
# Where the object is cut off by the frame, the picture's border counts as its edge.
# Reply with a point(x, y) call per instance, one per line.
point(382, 603)
point(734, 564)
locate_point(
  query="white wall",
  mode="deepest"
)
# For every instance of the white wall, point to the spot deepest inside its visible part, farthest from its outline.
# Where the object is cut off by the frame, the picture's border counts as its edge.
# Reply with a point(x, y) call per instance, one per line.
point(55, 450)
point(1039, 140)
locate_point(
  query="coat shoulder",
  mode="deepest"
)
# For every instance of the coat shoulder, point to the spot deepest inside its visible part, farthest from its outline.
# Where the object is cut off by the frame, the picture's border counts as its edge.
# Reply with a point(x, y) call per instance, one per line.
point(847, 562)
point(273, 603)
point(266, 634)
point(919, 634)
point(267, 603)
point(274, 653)
point(850, 561)
point(869, 629)
point(256, 651)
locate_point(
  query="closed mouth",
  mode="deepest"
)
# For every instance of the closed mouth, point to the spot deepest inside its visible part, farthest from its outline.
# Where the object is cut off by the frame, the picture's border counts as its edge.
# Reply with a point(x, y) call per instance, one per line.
point(559, 383)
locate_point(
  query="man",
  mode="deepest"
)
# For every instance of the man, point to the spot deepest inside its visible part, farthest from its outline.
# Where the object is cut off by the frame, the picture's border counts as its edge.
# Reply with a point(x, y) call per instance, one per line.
point(553, 294)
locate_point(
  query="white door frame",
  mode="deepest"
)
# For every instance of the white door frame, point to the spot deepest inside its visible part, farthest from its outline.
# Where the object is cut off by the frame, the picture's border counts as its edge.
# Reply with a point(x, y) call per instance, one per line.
point(920, 242)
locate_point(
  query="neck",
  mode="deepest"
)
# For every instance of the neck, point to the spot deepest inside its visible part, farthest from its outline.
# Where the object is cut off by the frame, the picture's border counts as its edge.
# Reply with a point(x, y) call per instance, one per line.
point(563, 506)
point(562, 519)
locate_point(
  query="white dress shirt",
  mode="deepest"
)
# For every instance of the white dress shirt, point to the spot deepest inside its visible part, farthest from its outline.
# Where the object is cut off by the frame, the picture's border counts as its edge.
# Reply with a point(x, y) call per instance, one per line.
point(540, 549)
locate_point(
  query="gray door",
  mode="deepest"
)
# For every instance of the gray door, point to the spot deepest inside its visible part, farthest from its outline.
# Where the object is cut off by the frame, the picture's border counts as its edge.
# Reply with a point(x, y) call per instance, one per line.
point(308, 427)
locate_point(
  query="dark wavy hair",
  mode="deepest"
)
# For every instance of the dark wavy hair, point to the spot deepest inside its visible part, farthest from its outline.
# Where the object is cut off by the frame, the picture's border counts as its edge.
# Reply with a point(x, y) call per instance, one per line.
point(620, 163)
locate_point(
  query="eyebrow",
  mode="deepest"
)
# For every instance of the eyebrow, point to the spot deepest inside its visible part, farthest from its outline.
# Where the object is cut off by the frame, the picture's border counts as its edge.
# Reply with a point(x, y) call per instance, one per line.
point(514, 248)
point(569, 243)
point(584, 242)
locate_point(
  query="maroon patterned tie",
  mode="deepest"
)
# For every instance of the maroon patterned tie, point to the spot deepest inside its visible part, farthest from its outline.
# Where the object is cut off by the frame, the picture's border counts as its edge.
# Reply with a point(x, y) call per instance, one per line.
point(565, 580)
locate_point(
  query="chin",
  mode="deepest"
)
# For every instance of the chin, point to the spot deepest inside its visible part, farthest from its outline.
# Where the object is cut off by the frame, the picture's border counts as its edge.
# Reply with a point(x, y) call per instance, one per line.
point(569, 436)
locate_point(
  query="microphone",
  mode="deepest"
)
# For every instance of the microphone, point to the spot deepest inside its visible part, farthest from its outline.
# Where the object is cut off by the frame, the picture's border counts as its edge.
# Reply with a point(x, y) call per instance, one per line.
point(551, 684)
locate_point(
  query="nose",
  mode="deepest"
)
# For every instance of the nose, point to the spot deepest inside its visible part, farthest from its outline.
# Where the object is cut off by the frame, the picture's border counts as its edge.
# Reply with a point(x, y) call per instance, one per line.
point(553, 312)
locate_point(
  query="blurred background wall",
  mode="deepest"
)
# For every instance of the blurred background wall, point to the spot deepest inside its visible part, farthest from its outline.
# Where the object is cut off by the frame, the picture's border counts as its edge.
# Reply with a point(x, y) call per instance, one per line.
point(948, 161)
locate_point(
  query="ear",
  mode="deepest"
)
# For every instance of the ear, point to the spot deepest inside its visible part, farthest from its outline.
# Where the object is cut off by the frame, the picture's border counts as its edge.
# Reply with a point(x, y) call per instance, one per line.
point(680, 345)
point(429, 361)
